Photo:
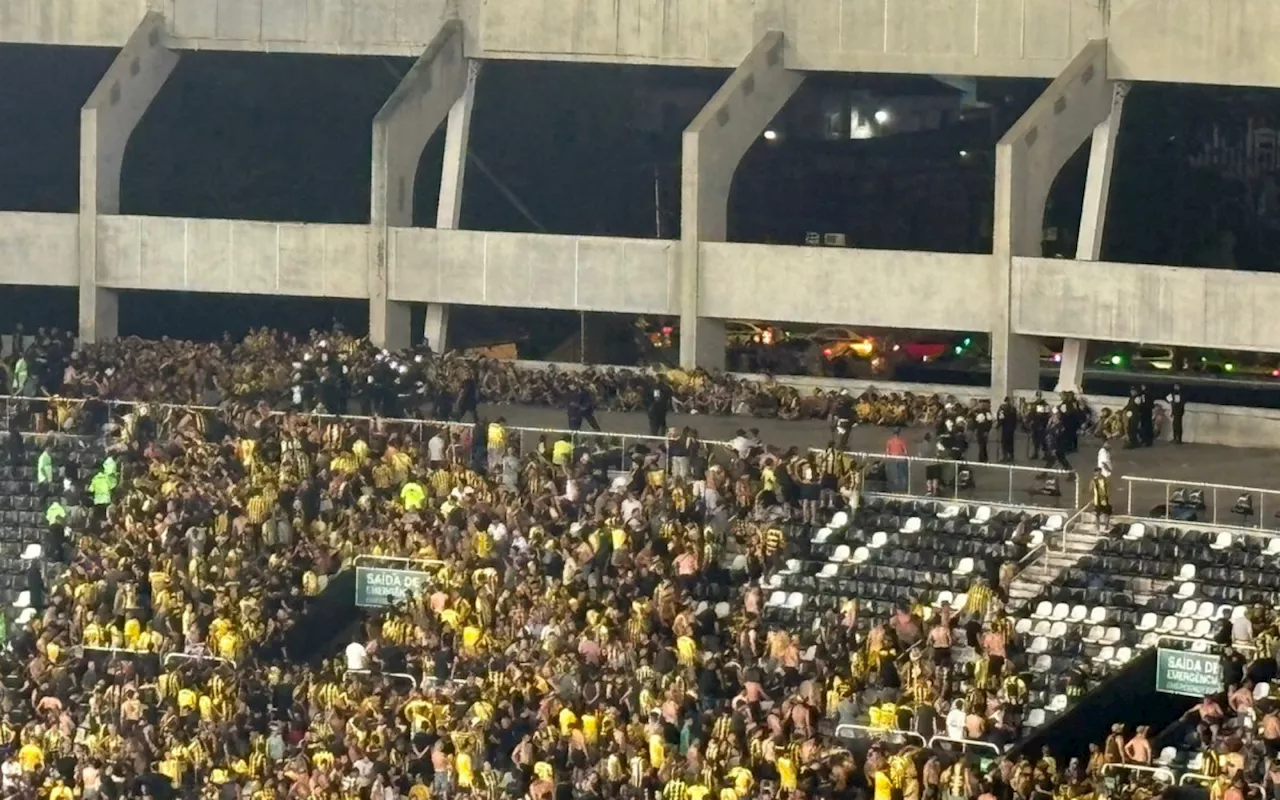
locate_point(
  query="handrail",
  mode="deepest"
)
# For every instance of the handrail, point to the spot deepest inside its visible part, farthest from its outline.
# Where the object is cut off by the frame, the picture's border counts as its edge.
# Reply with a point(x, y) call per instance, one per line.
point(451, 424)
point(225, 662)
point(877, 732)
point(403, 676)
point(426, 562)
point(1164, 772)
point(1170, 486)
point(965, 743)
point(1066, 525)
point(1174, 637)
point(1196, 777)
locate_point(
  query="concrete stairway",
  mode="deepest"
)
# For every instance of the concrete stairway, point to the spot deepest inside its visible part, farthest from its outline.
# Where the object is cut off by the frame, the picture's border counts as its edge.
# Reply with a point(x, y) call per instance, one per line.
point(1081, 536)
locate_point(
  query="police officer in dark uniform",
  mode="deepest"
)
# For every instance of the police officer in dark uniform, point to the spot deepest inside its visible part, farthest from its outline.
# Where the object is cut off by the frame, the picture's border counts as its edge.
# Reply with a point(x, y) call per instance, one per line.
point(658, 405)
point(982, 430)
point(1132, 418)
point(1007, 420)
point(1147, 408)
point(1177, 407)
point(842, 418)
point(1038, 424)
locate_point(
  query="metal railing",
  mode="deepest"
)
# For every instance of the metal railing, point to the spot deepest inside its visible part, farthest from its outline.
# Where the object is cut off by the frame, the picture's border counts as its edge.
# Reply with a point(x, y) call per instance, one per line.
point(1007, 484)
point(850, 731)
point(1210, 645)
point(198, 658)
point(526, 439)
point(1153, 499)
point(965, 744)
point(1159, 772)
point(400, 676)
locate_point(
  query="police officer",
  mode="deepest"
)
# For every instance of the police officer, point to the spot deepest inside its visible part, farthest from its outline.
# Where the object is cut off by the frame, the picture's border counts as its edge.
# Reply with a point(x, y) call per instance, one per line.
point(1177, 407)
point(1147, 412)
point(1007, 420)
point(982, 431)
point(658, 405)
point(1039, 424)
point(1132, 417)
point(842, 418)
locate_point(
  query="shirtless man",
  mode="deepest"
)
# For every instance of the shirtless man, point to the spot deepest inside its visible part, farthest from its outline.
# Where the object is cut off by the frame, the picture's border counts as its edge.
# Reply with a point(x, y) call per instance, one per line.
point(940, 642)
point(1138, 749)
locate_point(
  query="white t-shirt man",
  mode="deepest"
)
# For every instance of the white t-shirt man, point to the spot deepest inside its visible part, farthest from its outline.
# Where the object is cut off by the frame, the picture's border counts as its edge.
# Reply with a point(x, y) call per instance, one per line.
point(357, 656)
point(1104, 460)
point(435, 448)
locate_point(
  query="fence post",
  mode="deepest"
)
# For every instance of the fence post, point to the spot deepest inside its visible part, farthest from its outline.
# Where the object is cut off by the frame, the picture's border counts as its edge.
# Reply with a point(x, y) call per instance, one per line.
point(1215, 504)
point(955, 484)
point(1009, 498)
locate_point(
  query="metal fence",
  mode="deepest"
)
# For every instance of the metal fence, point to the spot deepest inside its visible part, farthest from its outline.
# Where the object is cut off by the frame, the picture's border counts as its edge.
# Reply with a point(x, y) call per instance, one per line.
point(618, 449)
point(1161, 499)
point(1003, 484)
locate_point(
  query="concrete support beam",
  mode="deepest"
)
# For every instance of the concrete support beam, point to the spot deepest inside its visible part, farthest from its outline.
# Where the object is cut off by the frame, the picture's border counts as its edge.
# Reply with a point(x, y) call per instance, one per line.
point(1028, 159)
point(712, 147)
point(401, 130)
point(107, 120)
point(457, 139)
point(1093, 220)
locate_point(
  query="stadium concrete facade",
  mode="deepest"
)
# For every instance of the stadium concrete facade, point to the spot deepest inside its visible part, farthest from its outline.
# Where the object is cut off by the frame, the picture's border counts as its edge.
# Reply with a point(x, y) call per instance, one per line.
point(1092, 49)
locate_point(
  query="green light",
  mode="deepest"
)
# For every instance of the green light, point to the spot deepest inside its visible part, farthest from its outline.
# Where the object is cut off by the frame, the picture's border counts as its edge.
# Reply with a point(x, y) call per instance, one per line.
point(1229, 366)
point(959, 349)
point(1116, 360)
point(968, 341)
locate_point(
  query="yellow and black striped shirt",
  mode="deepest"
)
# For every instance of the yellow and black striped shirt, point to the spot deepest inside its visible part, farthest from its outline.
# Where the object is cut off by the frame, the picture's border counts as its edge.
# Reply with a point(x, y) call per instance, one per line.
point(674, 790)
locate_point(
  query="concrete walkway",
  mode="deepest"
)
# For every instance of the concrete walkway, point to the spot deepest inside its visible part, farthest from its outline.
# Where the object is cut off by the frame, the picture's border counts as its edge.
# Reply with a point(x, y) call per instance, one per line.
point(1187, 464)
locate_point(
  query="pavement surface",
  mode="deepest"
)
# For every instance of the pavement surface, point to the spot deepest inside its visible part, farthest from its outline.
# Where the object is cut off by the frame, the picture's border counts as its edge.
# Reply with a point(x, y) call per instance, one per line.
point(1189, 465)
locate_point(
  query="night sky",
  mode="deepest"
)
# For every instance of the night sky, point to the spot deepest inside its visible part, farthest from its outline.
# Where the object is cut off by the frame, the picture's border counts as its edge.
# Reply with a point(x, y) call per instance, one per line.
point(286, 137)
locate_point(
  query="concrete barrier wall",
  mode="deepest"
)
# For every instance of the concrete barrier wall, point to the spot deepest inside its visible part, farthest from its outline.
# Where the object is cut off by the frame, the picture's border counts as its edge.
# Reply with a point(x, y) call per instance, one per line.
point(585, 273)
point(1199, 41)
point(235, 256)
point(837, 286)
point(1221, 309)
point(39, 249)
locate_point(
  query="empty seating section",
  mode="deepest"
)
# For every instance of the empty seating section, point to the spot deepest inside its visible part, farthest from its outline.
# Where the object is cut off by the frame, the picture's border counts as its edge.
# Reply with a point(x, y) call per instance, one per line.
point(1145, 585)
point(889, 553)
point(23, 504)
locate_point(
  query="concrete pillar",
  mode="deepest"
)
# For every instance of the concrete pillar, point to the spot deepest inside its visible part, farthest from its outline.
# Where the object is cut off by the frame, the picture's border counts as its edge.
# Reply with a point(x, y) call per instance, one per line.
point(401, 130)
point(1028, 159)
point(107, 120)
point(712, 147)
point(1093, 220)
point(457, 139)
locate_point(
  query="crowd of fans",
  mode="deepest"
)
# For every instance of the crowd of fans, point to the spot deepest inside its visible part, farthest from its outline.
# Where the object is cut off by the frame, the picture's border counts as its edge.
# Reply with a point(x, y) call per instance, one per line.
point(343, 374)
point(583, 631)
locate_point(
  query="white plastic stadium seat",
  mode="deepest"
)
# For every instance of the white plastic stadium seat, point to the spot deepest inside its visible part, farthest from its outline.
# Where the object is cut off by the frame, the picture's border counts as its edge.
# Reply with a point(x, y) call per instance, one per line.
point(1060, 611)
point(1148, 621)
point(1035, 718)
point(1187, 573)
point(965, 567)
point(983, 515)
point(839, 520)
point(822, 535)
point(879, 539)
point(795, 600)
point(1223, 541)
point(842, 554)
point(1022, 626)
point(1136, 531)
point(950, 512)
point(1273, 546)
point(1078, 614)
point(861, 556)
point(24, 599)
point(1053, 523)
point(1043, 609)
point(1185, 590)
point(32, 552)
point(911, 526)
point(944, 597)
point(829, 570)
